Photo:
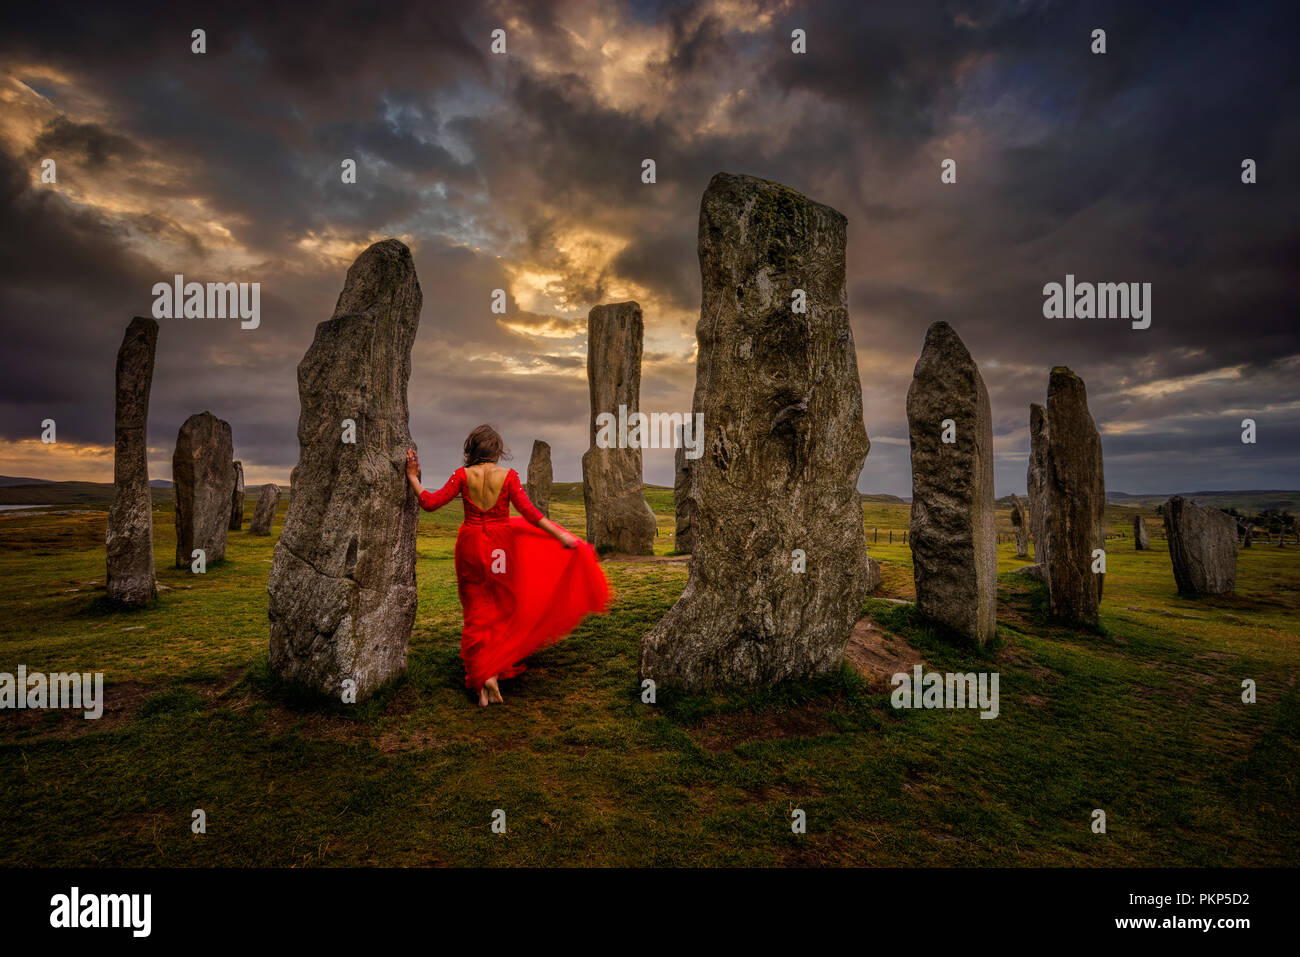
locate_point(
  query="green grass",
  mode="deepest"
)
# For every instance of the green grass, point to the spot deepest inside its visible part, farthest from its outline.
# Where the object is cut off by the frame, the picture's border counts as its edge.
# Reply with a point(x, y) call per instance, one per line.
point(1143, 720)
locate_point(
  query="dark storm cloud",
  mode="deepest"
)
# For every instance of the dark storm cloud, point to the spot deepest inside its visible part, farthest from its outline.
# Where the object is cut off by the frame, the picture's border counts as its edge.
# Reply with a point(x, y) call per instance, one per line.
point(1123, 167)
point(95, 145)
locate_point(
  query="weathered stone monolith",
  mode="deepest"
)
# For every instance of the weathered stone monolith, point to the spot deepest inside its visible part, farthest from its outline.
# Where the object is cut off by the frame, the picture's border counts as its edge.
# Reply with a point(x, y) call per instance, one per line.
point(203, 484)
point(268, 500)
point(683, 503)
point(1076, 501)
point(1202, 547)
point(1020, 525)
point(779, 568)
point(1038, 572)
point(540, 476)
point(237, 498)
point(1141, 538)
point(1036, 484)
point(953, 533)
point(618, 516)
point(873, 574)
point(342, 586)
point(129, 539)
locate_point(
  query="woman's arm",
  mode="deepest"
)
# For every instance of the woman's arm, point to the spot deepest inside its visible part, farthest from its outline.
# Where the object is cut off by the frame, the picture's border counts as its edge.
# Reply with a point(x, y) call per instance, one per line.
point(566, 539)
point(519, 499)
point(430, 501)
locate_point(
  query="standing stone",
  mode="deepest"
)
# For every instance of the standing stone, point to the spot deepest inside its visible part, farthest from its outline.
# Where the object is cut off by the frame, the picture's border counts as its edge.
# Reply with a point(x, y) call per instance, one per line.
point(1202, 546)
point(618, 516)
point(873, 575)
point(203, 484)
point(1036, 483)
point(342, 585)
point(539, 477)
point(1076, 501)
point(237, 498)
point(683, 503)
point(1020, 523)
point(953, 535)
point(268, 500)
point(129, 540)
point(784, 444)
point(1141, 539)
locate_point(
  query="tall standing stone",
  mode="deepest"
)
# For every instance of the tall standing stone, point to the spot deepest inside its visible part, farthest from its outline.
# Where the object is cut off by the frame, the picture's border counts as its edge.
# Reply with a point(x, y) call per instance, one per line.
point(683, 502)
point(953, 533)
point(268, 500)
point(618, 516)
point(1036, 482)
point(203, 484)
point(1202, 546)
point(237, 498)
point(1141, 539)
point(779, 569)
point(539, 476)
point(342, 585)
point(129, 539)
point(1076, 501)
point(1020, 525)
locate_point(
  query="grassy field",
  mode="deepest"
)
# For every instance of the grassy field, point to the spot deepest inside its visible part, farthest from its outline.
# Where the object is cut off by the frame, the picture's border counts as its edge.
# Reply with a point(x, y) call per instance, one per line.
point(1143, 720)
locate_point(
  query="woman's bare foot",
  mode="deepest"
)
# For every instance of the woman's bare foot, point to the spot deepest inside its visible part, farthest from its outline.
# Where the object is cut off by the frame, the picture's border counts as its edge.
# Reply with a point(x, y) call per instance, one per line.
point(482, 697)
point(494, 692)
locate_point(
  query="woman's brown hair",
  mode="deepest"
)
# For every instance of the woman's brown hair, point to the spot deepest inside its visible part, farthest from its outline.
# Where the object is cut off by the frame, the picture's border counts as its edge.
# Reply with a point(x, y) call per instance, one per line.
point(484, 445)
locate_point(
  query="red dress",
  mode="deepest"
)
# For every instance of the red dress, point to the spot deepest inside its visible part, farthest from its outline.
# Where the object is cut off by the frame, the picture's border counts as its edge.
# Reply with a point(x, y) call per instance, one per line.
point(520, 589)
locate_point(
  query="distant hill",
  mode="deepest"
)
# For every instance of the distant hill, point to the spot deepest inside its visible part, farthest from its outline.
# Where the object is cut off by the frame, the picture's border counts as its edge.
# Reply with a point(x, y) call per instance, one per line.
point(882, 497)
point(43, 492)
point(13, 480)
point(70, 493)
point(1249, 500)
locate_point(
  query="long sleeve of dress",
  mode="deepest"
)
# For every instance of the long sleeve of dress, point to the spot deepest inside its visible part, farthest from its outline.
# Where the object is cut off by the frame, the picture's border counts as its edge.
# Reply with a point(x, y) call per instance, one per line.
point(432, 501)
point(519, 499)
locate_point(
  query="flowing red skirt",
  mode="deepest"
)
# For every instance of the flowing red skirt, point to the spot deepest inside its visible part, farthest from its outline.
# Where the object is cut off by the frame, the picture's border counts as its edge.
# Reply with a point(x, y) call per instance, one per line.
point(520, 591)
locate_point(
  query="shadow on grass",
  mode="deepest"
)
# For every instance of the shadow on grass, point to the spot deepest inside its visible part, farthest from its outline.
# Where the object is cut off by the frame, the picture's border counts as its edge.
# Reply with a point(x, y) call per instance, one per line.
point(938, 644)
point(303, 700)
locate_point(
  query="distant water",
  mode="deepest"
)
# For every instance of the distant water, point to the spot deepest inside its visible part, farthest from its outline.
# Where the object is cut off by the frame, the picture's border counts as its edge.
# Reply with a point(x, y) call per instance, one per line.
point(10, 508)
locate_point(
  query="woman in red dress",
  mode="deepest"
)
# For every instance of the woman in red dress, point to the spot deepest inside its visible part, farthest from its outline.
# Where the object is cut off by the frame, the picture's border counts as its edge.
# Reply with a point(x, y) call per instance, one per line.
point(524, 583)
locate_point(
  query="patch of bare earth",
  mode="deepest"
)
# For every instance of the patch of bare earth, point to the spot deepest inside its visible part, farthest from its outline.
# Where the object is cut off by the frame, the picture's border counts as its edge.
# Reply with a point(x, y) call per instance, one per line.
point(876, 655)
point(121, 702)
point(315, 727)
point(229, 678)
point(728, 731)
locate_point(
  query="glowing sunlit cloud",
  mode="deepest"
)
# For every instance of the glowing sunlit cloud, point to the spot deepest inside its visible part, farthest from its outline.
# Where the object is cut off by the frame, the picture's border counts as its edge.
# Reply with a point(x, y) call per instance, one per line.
point(1164, 387)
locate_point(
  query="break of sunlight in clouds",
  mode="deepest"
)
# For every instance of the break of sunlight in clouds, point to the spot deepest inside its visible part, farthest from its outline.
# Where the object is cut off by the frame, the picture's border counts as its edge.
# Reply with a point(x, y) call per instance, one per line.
point(1164, 387)
point(337, 251)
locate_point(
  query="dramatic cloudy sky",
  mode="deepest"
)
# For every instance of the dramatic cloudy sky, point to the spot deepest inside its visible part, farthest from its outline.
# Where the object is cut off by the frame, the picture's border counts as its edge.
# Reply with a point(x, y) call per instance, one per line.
point(523, 172)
